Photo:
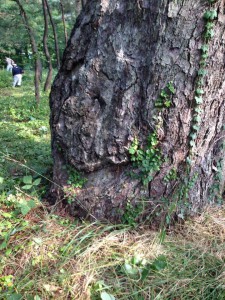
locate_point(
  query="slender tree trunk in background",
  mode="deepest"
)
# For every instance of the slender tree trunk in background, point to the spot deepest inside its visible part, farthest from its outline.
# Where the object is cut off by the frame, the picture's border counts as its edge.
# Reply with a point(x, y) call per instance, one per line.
point(45, 45)
point(38, 66)
point(63, 21)
point(83, 3)
point(115, 69)
point(55, 35)
point(79, 6)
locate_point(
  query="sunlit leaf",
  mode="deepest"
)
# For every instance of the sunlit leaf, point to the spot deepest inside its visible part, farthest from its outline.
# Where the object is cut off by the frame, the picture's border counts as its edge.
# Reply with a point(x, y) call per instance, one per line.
point(37, 181)
point(27, 179)
point(27, 187)
point(106, 296)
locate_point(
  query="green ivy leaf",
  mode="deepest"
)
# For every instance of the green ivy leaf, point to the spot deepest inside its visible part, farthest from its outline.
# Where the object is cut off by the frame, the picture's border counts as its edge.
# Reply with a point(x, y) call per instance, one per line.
point(171, 88)
point(210, 15)
point(205, 56)
point(159, 103)
point(159, 263)
point(3, 245)
point(188, 160)
point(209, 25)
point(200, 82)
point(192, 143)
point(202, 72)
point(15, 296)
point(209, 34)
point(167, 103)
point(193, 136)
point(197, 118)
point(132, 150)
point(164, 94)
point(31, 203)
point(199, 91)
point(24, 209)
point(198, 110)
point(27, 187)
point(195, 127)
point(37, 181)
point(27, 179)
point(205, 48)
point(198, 100)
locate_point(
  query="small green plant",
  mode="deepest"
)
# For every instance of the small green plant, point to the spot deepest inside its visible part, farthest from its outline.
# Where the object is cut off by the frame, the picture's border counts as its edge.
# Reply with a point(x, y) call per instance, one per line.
point(164, 99)
point(138, 268)
point(75, 181)
point(75, 178)
point(19, 203)
point(149, 160)
point(131, 213)
point(171, 175)
point(30, 183)
point(6, 282)
point(210, 15)
point(99, 291)
point(188, 184)
point(12, 208)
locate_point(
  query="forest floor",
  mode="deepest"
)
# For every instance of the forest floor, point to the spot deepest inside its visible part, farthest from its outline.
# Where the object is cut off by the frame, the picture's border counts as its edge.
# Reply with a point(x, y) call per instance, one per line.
point(47, 255)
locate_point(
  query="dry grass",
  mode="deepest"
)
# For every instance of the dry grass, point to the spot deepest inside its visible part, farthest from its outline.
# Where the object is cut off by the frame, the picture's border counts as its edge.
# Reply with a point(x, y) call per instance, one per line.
point(55, 259)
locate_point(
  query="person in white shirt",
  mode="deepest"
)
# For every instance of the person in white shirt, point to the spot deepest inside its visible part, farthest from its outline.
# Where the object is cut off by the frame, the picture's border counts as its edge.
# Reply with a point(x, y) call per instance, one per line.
point(10, 63)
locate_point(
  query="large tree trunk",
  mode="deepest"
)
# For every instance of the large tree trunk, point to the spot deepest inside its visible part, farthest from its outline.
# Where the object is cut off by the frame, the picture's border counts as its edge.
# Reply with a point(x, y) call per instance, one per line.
point(120, 57)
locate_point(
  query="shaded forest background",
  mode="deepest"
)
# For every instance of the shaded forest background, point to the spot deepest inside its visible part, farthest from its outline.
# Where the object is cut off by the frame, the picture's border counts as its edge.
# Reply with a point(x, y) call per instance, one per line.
point(15, 42)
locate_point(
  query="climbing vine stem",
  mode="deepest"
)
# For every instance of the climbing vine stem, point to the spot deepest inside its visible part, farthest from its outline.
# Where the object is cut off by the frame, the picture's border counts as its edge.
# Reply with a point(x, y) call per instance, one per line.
point(209, 16)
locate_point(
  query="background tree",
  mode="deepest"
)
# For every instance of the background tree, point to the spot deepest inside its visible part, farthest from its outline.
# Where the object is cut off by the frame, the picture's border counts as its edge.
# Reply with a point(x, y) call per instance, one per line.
point(54, 33)
point(38, 66)
point(141, 81)
point(15, 40)
point(13, 33)
point(47, 54)
point(63, 21)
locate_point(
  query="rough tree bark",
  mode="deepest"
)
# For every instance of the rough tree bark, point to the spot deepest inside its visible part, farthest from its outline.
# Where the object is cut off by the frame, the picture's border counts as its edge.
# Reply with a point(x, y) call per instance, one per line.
point(120, 56)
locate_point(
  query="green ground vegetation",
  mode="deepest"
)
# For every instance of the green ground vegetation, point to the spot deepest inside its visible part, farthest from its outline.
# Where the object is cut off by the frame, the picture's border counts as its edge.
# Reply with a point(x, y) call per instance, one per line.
point(24, 132)
point(45, 254)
